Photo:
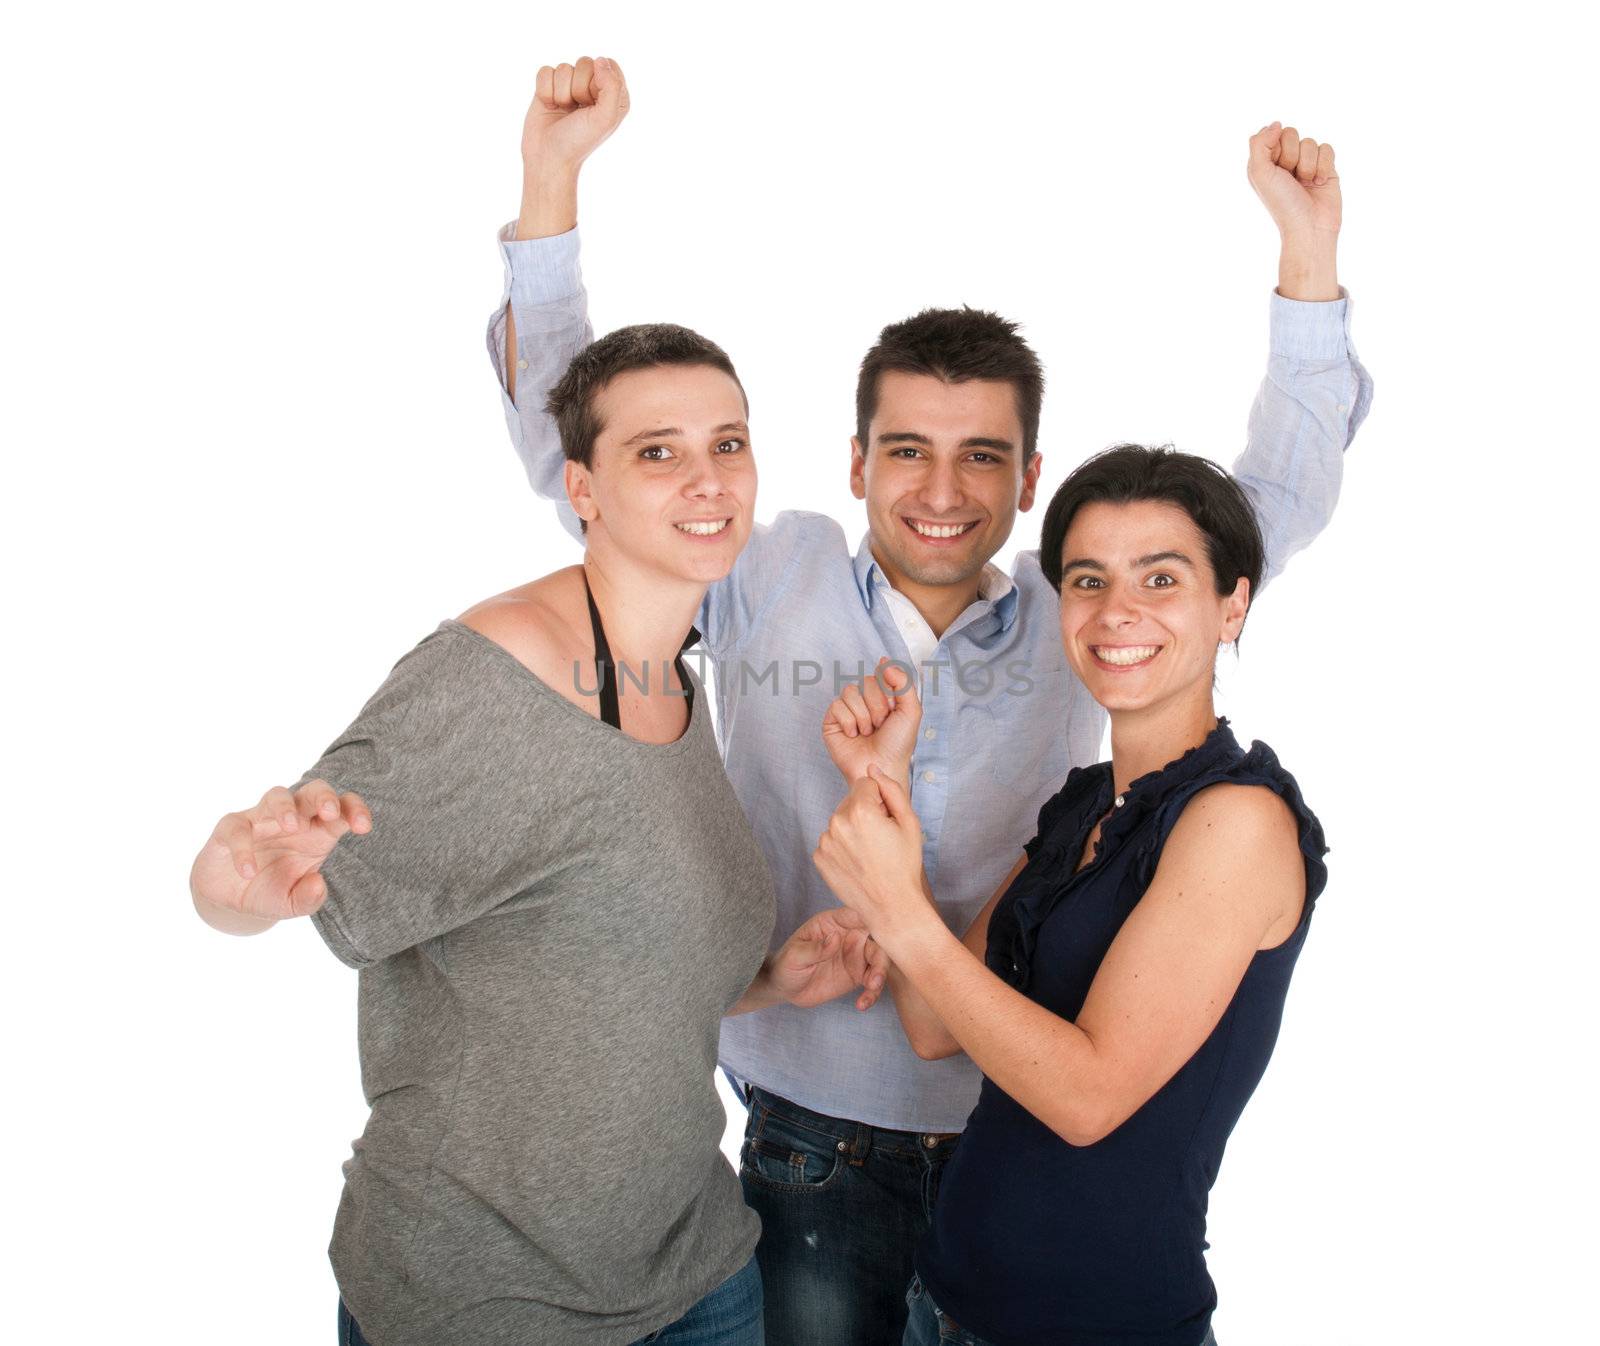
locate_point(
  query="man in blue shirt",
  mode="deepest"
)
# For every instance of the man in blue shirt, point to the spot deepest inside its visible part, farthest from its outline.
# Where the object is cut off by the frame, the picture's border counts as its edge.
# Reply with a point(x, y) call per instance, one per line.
point(848, 1129)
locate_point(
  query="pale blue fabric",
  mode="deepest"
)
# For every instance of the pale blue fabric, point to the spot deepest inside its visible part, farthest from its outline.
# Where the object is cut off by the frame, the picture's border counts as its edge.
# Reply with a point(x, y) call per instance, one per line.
point(800, 610)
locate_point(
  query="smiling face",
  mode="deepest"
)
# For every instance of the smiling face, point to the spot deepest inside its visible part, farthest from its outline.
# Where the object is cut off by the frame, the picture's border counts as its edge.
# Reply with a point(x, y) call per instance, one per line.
point(942, 477)
point(673, 481)
point(1141, 618)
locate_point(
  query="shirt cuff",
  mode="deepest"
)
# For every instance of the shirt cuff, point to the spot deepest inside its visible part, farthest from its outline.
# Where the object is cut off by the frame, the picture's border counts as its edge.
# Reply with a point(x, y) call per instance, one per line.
point(1311, 329)
point(540, 270)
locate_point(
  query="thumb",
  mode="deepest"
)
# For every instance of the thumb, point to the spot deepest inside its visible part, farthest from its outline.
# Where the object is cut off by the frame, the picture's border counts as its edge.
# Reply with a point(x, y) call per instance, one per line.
point(1264, 147)
point(902, 686)
point(895, 798)
point(611, 90)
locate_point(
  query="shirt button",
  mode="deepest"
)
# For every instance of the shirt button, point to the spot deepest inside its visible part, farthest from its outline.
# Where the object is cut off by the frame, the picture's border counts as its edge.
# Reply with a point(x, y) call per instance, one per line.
point(928, 776)
point(523, 364)
point(930, 732)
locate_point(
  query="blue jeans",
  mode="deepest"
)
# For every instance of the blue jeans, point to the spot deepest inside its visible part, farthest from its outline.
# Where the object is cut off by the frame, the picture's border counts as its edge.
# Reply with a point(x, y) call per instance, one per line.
point(928, 1325)
point(729, 1316)
point(842, 1206)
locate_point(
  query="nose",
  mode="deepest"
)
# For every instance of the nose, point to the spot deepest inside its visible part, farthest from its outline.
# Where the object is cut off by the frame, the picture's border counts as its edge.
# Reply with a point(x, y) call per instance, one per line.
point(704, 481)
point(941, 488)
point(1120, 609)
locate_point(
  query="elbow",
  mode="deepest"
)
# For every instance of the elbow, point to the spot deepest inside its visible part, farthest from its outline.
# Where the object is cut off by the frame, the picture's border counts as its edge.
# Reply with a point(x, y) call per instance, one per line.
point(1085, 1122)
point(934, 1046)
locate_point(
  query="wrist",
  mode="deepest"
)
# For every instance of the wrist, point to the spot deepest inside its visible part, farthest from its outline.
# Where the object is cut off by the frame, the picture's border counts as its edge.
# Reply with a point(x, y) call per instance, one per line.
point(915, 934)
point(549, 200)
point(1308, 266)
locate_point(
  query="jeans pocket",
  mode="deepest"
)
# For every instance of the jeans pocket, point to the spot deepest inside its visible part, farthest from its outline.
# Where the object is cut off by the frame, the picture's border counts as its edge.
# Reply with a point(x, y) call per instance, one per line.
point(787, 1155)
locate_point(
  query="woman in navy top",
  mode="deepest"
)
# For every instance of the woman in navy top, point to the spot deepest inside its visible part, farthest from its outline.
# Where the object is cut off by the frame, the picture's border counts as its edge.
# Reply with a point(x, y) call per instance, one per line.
point(1122, 990)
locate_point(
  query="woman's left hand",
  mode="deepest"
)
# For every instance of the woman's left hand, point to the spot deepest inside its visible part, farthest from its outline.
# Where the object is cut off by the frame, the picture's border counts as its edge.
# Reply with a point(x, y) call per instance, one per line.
point(871, 855)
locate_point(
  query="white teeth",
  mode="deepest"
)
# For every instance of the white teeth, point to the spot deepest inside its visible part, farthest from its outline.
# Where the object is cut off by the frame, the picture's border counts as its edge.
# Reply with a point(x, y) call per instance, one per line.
point(703, 529)
point(940, 530)
point(1128, 654)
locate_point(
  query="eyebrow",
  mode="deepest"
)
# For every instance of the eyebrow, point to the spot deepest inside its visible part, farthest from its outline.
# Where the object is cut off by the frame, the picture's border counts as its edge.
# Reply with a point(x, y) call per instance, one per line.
point(674, 431)
point(971, 442)
point(1155, 557)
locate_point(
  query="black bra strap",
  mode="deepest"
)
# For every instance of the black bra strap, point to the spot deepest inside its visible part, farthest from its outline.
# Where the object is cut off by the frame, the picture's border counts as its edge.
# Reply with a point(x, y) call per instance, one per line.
point(610, 709)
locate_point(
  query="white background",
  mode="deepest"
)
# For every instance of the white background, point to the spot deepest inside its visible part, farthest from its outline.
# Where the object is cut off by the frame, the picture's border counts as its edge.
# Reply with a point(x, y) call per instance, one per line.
point(253, 452)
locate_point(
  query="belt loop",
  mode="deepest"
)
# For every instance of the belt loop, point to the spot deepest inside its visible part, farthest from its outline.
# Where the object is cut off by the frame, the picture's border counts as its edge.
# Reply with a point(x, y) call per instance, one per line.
point(861, 1144)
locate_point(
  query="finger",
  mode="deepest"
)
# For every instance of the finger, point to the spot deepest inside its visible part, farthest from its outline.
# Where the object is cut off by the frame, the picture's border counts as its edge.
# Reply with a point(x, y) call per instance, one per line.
point(1306, 168)
point(877, 701)
point(544, 86)
point(356, 813)
point(1325, 170)
point(893, 676)
point(1289, 149)
point(908, 698)
point(857, 706)
point(277, 806)
point(235, 832)
point(316, 799)
point(893, 794)
point(839, 717)
point(563, 92)
point(309, 892)
point(583, 82)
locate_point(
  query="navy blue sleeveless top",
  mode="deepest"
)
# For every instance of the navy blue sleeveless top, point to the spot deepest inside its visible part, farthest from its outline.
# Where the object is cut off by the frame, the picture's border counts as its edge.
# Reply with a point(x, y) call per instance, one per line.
point(1039, 1243)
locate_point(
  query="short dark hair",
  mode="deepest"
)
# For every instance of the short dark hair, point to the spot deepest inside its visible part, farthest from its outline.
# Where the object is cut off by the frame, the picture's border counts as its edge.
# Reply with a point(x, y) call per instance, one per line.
point(955, 344)
point(644, 346)
point(1207, 494)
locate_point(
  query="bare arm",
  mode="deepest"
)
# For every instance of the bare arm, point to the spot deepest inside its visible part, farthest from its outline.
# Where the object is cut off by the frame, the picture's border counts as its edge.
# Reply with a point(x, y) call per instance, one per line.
point(1231, 881)
point(925, 1030)
point(1316, 393)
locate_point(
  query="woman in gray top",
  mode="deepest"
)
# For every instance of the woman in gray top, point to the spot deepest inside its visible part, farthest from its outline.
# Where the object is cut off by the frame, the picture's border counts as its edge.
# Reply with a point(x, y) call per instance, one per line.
point(553, 897)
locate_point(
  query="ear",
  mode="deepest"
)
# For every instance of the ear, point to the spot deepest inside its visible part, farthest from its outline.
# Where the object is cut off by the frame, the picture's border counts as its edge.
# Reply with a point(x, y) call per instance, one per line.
point(858, 468)
point(1234, 607)
point(1030, 482)
point(580, 491)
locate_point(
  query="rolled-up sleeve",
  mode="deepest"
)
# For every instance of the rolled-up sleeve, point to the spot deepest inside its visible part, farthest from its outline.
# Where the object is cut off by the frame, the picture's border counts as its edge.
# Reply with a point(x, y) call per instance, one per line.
point(1311, 403)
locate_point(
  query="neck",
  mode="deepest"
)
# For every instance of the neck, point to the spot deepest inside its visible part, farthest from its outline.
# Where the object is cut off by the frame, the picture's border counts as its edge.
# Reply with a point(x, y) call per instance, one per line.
point(1145, 740)
point(939, 604)
point(647, 615)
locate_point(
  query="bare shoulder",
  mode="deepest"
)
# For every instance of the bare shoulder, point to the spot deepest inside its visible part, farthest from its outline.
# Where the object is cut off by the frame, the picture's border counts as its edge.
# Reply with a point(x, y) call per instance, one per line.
point(1242, 842)
point(534, 623)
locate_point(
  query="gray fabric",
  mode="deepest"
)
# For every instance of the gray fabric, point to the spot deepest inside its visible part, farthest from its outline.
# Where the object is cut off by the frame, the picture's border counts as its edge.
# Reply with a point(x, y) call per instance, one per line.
point(550, 920)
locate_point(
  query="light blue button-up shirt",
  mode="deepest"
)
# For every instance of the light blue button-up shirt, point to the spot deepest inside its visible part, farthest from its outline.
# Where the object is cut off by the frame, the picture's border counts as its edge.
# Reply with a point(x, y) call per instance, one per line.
point(1004, 717)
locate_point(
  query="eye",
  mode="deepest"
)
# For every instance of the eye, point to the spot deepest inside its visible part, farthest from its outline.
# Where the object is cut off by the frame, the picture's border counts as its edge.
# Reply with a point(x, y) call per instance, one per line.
point(731, 445)
point(656, 453)
point(906, 452)
point(1161, 581)
point(1088, 582)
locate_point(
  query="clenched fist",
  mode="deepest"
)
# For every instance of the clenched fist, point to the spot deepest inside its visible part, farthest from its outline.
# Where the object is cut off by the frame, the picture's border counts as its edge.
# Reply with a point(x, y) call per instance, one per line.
point(1296, 180)
point(874, 724)
point(574, 108)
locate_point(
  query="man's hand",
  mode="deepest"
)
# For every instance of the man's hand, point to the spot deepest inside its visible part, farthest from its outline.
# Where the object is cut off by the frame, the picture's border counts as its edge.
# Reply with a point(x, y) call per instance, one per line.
point(263, 864)
point(1297, 181)
point(874, 724)
point(829, 955)
point(574, 109)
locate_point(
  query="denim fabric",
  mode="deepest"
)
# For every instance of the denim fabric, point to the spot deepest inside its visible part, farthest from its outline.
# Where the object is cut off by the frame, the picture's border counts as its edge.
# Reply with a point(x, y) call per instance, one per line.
point(349, 1329)
point(842, 1207)
point(729, 1316)
point(926, 1325)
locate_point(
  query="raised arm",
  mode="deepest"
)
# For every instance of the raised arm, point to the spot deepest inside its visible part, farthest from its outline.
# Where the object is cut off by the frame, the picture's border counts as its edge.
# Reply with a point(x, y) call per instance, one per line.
point(1316, 393)
point(542, 320)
